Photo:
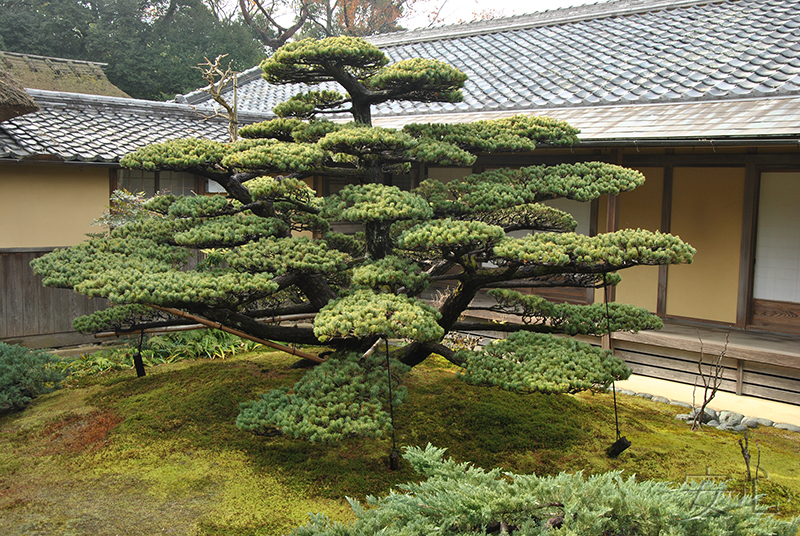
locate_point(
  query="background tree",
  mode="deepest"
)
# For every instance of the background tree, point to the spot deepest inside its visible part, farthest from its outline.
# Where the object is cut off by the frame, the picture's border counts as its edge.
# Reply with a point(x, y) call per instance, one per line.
point(322, 18)
point(150, 46)
point(265, 17)
point(262, 261)
point(357, 18)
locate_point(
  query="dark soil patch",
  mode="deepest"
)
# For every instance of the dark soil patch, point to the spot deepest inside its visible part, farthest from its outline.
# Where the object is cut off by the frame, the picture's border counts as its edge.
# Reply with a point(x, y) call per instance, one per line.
point(79, 433)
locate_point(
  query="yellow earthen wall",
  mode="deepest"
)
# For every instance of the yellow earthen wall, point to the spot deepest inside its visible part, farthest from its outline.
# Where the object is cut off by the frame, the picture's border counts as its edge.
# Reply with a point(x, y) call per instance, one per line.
point(45, 206)
point(641, 209)
point(638, 209)
point(707, 206)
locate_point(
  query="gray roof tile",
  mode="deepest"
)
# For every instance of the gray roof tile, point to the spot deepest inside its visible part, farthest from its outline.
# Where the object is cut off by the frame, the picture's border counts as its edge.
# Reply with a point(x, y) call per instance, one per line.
point(77, 127)
point(631, 50)
point(632, 69)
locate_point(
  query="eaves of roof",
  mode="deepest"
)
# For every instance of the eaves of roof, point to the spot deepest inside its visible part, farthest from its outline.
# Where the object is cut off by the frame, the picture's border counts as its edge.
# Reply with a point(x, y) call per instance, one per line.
point(774, 120)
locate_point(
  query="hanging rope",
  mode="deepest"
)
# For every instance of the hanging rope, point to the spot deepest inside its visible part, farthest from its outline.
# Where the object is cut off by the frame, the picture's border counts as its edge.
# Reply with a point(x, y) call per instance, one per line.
point(394, 457)
point(621, 443)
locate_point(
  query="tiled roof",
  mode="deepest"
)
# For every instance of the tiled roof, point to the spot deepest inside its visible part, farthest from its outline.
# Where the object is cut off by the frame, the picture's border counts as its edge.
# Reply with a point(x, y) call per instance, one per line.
point(633, 70)
point(628, 52)
point(87, 128)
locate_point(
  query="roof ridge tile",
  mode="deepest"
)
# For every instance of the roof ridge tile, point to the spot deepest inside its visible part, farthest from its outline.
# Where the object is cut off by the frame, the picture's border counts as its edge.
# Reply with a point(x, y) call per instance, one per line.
point(552, 17)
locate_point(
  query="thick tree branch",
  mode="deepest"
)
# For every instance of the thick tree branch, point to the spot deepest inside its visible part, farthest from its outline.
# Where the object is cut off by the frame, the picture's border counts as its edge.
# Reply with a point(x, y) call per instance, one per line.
point(265, 33)
point(293, 334)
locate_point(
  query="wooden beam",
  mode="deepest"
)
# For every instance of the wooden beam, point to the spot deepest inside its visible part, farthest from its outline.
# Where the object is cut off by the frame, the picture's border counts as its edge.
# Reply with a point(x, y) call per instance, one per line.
point(112, 180)
point(787, 160)
point(512, 161)
point(666, 225)
point(747, 256)
point(612, 222)
point(594, 213)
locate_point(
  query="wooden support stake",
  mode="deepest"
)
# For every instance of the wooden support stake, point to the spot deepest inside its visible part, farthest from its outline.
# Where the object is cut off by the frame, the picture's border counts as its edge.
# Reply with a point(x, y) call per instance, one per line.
point(739, 376)
point(286, 318)
point(217, 325)
point(165, 329)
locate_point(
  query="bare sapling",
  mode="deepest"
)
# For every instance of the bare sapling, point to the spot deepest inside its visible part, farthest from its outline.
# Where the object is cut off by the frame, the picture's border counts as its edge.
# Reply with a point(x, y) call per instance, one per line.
point(711, 376)
point(744, 445)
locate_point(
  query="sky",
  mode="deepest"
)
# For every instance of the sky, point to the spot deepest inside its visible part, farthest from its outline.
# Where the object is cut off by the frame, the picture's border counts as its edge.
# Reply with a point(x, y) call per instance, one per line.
point(455, 11)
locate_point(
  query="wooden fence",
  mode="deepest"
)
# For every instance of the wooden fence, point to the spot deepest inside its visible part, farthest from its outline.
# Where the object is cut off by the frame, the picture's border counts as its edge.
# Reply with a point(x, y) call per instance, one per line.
point(745, 371)
point(33, 315)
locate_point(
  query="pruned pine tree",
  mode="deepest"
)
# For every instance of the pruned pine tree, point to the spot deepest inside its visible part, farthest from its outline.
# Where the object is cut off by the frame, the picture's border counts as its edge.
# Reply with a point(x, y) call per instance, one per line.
point(269, 250)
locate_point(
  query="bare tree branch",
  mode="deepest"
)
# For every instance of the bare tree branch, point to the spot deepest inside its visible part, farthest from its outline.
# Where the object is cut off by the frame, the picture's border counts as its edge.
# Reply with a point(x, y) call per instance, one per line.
point(218, 80)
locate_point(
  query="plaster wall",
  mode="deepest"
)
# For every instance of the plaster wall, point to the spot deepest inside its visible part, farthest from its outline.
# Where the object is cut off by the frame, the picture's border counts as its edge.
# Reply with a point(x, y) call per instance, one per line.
point(641, 209)
point(638, 209)
point(707, 206)
point(47, 206)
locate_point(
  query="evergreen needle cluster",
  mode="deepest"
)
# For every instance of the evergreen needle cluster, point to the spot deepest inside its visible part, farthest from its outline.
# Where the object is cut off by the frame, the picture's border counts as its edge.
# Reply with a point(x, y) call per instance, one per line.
point(459, 498)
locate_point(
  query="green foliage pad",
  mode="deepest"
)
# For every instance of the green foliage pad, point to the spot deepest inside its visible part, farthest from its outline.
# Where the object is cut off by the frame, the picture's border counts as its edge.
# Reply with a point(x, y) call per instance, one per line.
point(459, 498)
point(534, 362)
point(345, 396)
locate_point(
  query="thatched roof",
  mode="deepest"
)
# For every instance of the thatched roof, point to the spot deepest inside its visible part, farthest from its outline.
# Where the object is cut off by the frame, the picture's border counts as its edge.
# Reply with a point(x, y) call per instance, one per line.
point(59, 74)
point(13, 99)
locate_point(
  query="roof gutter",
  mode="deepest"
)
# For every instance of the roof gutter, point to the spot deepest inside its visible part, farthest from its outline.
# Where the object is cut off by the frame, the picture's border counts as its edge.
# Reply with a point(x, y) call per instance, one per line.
point(586, 144)
point(691, 142)
point(773, 141)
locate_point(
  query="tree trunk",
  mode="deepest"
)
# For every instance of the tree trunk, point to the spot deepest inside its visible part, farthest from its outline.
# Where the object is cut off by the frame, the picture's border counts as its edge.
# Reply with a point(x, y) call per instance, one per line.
point(286, 334)
point(456, 303)
point(317, 290)
point(379, 240)
point(362, 113)
point(415, 353)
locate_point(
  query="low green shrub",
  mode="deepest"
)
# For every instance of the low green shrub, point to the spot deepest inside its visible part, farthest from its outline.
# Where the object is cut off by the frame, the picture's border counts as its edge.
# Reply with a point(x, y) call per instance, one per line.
point(201, 343)
point(24, 374)
point(160, 350)
point(464, 499)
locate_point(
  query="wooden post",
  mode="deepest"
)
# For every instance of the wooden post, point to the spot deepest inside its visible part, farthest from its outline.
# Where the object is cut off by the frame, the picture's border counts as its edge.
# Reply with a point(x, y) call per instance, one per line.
point(748, 256)
point(666, 224)
point(612, 224)
point(739, 376)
